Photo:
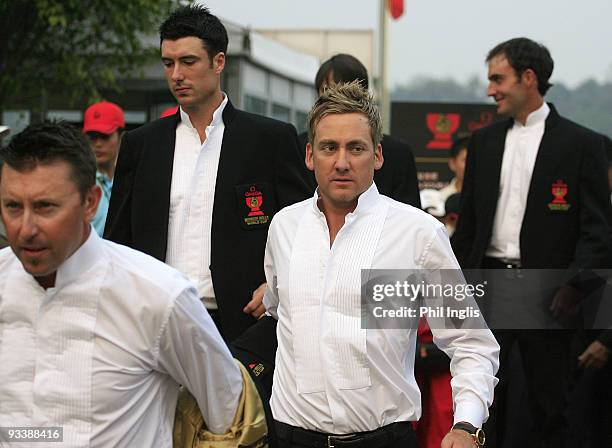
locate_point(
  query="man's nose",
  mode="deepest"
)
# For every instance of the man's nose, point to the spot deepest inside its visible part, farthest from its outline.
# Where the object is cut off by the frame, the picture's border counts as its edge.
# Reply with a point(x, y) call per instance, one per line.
point(491, 90)
point(177, 73)
point(342, 161)
point(29, 225)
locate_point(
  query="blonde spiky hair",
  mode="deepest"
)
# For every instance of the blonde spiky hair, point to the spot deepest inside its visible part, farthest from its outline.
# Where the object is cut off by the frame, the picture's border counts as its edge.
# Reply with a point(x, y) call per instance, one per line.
point(346, 98)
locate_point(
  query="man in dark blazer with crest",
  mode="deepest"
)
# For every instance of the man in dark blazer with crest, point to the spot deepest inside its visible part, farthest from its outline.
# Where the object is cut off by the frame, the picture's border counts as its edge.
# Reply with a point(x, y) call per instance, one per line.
point(535, 196)
point(199, 188)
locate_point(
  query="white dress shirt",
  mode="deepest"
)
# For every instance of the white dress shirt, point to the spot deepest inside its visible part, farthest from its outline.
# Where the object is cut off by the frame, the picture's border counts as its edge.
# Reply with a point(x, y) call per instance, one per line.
point(192, 196)
point(451, 188)
point(103, 352)
point(332, 376)
point(520, 152)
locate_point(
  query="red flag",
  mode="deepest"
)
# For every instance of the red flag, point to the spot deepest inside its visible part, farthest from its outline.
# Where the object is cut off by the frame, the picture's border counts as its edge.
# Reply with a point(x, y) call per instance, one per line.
point(396, 8)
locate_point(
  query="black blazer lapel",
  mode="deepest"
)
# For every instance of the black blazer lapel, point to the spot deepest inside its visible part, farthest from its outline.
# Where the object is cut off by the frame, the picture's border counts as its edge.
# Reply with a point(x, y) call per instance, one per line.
point(546, 155)
point(540, 184)
point(154, 199)
point(229, 145)
point(228, 157)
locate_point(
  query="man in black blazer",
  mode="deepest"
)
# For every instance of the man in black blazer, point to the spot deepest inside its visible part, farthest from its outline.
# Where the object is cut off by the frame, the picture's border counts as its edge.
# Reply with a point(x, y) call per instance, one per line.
point(397, 178)
point(166, 200)
point(534, 197)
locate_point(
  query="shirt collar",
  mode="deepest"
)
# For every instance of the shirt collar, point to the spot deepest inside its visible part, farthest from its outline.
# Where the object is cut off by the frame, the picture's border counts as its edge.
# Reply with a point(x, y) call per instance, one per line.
point(80, 261)
point(538, 116)
point(365, 202)
point(217, 114)
point(102, 177)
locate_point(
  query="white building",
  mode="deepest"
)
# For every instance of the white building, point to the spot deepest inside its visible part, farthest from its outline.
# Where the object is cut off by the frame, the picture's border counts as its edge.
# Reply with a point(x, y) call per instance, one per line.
point(261, 75)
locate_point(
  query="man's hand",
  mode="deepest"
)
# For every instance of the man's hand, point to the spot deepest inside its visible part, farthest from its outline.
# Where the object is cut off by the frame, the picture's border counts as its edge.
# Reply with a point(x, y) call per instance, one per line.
point(256, 307)
point(457, 438)
point(566, 301)
point(595, 356)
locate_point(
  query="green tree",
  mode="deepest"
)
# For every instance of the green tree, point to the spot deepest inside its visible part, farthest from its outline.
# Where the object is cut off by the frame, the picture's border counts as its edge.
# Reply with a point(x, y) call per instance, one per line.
point(441, 90)
point(74, 47)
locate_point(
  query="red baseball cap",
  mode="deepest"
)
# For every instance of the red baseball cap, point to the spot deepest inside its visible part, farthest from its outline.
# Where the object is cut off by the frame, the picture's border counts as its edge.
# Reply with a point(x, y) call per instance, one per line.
point(103, 117)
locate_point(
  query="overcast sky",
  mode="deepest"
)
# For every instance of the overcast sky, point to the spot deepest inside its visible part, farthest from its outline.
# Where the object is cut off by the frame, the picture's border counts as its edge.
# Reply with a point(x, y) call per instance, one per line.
point(450, 38)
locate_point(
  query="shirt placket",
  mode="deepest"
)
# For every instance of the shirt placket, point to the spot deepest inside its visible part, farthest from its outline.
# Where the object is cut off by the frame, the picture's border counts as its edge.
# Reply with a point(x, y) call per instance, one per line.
point(46, 359)
point(513, 185)
point(336, 405)
point(195, 228)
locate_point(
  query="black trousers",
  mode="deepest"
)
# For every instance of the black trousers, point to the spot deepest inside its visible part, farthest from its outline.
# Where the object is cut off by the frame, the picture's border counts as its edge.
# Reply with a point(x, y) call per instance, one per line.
point(545, 356)
point(216, 318)
point(256, 350)
point(590, 408)
point(403, 437)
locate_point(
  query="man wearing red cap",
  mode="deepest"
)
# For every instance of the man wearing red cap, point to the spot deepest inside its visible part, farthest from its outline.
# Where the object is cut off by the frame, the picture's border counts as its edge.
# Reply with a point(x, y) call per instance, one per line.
point(103, 124)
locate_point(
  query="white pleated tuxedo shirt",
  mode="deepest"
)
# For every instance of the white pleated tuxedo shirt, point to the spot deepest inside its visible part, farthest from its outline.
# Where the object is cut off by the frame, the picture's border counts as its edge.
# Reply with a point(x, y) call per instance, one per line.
point(192, 196)
point(332, 376)
point(520, 153)
point(103, 352)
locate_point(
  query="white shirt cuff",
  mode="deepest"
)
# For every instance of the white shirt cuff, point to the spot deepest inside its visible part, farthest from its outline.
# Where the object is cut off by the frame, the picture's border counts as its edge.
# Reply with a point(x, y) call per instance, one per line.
point(468, 411)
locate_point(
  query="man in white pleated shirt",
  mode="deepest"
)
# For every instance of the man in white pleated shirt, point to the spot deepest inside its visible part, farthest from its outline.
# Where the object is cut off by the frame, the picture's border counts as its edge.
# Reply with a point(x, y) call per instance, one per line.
point(95, 337)
point(336, 384)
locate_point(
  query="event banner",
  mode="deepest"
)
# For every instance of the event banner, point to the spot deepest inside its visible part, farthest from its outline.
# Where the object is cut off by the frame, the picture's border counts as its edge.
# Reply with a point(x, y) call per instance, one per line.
point(431, 128)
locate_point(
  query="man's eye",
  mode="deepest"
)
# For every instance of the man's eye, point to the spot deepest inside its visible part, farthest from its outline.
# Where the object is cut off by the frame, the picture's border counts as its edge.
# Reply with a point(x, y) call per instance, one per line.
point(45, 206)
point(189, 61)
point(357, 149)
point(167, 64)
point(11, 205)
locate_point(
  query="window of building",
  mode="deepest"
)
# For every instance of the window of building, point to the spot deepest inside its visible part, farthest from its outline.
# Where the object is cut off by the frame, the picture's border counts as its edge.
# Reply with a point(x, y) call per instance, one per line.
point(254, 105)
point(281, 112)
point(301, 121)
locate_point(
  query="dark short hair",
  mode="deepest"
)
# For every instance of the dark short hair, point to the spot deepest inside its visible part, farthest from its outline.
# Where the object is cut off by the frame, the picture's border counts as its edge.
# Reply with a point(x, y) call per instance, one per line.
point(195, 21)
point(458, 145)
point(523, 54)
point(343, 68)
point(49, 142)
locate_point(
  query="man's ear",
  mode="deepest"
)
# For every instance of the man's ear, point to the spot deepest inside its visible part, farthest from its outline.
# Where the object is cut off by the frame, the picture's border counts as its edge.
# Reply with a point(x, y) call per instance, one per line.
point(378, 157)
point(92, 200)
point(529, 78)
point(309, 157)
point(219, 62)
